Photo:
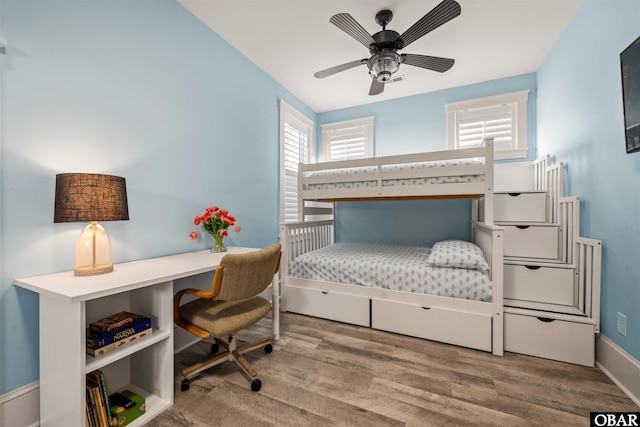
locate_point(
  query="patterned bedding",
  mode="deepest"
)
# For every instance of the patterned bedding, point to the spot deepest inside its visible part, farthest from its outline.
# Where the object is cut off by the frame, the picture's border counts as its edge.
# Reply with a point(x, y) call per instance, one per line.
point(404, 268)
point(397, 167)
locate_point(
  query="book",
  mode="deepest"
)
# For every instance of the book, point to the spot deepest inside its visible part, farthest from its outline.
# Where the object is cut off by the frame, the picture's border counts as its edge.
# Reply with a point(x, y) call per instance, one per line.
point(115, 345)
point(91, 408)
point(113, 322)
point(126, 415)
point(97, 403)
point(95, 341)
point(97, 376)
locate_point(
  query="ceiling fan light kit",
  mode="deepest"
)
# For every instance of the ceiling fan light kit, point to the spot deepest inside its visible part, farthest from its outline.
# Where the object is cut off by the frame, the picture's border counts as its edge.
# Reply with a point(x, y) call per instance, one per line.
point(384, 45)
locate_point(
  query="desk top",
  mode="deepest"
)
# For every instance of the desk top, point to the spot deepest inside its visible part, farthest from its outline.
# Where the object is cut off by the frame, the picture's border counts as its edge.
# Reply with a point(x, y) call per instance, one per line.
point(126, 276)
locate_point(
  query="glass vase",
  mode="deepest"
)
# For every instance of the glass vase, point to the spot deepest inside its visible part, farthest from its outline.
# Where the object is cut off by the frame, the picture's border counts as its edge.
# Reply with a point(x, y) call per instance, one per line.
point(218, 244)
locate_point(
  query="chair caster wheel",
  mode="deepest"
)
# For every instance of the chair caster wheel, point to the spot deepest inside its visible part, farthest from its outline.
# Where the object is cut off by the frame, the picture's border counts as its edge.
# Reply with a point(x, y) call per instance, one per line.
point(256, 385)
point(184, 385)
point(214, 348)
point(268, 348)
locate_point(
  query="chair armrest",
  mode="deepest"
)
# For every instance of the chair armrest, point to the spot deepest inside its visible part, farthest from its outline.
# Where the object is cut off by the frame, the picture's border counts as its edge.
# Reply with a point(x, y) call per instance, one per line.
point(176, 311)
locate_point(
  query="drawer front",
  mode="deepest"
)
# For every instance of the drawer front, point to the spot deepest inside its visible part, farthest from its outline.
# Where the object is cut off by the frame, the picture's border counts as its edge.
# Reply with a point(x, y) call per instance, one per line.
point(520, 207)
point(437, 324)
point(531, 241)
point(550, 338)
point(327, 305)
point(544, 284)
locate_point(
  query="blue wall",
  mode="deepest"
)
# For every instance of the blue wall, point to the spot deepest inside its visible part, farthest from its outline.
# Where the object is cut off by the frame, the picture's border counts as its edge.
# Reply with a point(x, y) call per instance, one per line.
point(580, 121)
point(139, 89)
point(417, 124)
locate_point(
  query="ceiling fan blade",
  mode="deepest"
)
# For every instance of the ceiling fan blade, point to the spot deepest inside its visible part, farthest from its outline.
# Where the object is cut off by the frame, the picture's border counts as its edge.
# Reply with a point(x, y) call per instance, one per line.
point(376, 87)
point(434, 63)
point(439, 15)
point(346, 23)
point(333, 70)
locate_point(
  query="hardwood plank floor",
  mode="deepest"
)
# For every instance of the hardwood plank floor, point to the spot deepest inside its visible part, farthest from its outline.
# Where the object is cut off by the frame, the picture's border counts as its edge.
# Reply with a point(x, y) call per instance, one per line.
point(324, 373)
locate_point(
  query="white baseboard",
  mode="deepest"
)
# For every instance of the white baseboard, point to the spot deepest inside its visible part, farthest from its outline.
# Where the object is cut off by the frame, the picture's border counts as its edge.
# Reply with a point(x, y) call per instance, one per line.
point(618, 365)
point(21, 407)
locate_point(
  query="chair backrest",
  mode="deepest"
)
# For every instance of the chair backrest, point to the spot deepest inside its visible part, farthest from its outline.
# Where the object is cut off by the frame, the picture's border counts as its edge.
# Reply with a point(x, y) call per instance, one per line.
point(247, 275)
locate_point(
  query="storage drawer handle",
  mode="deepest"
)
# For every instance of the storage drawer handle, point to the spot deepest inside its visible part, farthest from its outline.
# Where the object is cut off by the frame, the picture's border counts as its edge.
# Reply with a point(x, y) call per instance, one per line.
point(324, 292)
point(514, 194)
point(522, 227)
point(545, 319)
point(532, 267)
point(426, 308)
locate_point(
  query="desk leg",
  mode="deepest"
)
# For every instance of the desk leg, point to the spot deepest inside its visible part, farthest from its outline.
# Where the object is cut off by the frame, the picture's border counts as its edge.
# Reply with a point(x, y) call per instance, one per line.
point(275, 307)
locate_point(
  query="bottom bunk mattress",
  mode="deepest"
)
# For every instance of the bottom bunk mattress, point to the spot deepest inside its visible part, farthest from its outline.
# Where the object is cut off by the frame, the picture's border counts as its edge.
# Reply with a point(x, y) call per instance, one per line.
point(451, 268)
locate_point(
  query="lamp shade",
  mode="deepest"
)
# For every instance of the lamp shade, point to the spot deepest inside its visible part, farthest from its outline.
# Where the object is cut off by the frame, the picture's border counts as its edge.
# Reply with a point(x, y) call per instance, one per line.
point(90, 197)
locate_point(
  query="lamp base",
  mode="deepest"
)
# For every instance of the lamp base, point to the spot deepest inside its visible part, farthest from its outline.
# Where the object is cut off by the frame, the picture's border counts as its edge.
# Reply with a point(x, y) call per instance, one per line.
point(90, 270)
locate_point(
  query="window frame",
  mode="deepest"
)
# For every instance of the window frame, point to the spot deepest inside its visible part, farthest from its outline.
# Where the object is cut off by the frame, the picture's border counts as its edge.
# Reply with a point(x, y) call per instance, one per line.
point(366, 123)
point(288, 114)
point(517, 101)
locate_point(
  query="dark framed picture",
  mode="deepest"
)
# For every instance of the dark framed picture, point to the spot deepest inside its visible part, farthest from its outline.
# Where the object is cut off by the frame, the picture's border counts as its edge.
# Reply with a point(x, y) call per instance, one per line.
point(630, 68)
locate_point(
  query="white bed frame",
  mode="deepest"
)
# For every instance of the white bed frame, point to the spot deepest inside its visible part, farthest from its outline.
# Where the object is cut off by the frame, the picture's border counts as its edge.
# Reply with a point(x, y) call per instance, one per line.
point(483, 188)
point(466, 323)
point(462, 322)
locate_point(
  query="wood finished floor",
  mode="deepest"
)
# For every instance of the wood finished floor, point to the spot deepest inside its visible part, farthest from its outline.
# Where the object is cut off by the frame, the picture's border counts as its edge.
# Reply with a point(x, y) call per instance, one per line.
point(323, 373)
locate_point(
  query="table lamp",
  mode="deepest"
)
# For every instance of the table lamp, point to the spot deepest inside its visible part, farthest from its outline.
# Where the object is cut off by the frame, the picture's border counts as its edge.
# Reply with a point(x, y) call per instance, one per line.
point(91, 197)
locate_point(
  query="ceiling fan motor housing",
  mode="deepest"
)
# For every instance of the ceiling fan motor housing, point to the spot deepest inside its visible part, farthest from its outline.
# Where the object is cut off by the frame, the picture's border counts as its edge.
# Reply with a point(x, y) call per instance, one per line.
point(382, 65)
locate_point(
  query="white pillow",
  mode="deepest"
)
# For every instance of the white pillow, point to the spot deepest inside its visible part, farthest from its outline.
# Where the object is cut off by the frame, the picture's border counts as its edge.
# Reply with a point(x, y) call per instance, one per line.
point(457, 254)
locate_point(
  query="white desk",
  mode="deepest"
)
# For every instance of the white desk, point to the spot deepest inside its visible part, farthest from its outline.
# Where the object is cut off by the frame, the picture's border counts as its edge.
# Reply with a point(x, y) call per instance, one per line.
point(69, 303)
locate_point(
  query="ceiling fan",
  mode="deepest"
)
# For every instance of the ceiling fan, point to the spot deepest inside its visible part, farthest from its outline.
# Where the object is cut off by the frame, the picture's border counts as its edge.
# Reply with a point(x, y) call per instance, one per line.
point(384, 45)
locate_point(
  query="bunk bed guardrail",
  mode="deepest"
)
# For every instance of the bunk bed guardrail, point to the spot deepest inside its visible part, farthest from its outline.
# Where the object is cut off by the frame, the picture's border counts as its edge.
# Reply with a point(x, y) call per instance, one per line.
point(342, 172)
point(588, 269)
point(549, 178)
point(569, 221)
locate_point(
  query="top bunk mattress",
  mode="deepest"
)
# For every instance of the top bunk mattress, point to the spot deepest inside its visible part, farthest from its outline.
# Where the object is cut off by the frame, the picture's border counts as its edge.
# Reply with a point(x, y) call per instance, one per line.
point(401, 268)
point(431, 172)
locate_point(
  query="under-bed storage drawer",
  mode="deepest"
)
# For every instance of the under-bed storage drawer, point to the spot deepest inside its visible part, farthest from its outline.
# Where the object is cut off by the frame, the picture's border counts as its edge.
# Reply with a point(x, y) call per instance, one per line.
point(437, 324)
point(552, 285)
point(532, 241)
point(520, 207)
point(550, 336)
point(327, 305)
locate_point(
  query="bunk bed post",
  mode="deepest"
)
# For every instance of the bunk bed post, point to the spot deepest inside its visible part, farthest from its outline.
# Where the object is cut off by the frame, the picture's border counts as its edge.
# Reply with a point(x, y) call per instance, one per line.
point(488, 181)
point(300, 205)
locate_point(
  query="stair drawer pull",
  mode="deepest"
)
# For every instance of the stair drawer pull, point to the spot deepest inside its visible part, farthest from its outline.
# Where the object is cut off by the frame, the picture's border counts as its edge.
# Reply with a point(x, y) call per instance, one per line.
point(324, 292)
point(514, 194)
point(545, 319)
point(522, 227)
point(532, 267)
point(426, 308)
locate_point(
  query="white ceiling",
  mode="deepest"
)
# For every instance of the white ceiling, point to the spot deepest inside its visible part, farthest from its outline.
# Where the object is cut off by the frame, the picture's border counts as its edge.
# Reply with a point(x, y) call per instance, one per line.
point(292, 39)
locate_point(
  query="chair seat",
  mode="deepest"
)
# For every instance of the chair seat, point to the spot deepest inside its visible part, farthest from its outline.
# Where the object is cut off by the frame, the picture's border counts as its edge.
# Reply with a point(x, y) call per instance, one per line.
point(224, 318)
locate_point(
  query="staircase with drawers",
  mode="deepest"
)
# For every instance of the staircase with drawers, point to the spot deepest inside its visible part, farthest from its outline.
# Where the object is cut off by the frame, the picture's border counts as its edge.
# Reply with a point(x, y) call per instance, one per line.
point(551, 274)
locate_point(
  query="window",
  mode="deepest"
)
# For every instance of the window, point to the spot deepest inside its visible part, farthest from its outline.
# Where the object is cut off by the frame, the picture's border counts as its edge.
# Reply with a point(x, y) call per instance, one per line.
point(295, 147)
point(503, 117)
point(351, 139)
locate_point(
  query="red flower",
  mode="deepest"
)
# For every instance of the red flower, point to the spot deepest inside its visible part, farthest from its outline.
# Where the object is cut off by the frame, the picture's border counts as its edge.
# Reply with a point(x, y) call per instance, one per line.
point(193, 235)
point(206, 216)
point(223, 232)
point(197, 220)
point(238, 228)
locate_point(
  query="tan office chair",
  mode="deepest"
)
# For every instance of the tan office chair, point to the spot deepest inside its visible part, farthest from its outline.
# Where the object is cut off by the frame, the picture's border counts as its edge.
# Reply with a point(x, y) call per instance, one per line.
point(230, 306)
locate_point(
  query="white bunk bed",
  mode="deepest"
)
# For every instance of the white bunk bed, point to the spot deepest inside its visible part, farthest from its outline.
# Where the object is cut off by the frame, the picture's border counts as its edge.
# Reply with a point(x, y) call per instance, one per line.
point(446, 174)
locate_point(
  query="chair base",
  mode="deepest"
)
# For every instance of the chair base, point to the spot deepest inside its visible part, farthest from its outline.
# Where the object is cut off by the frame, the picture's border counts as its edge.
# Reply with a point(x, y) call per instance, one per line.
point(231, 353)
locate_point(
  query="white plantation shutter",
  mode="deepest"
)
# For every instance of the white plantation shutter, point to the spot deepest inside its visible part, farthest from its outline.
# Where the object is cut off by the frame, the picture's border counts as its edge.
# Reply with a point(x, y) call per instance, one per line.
point(492, 122)
point(295, 148)
point(348, 140)
point(502, 117)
